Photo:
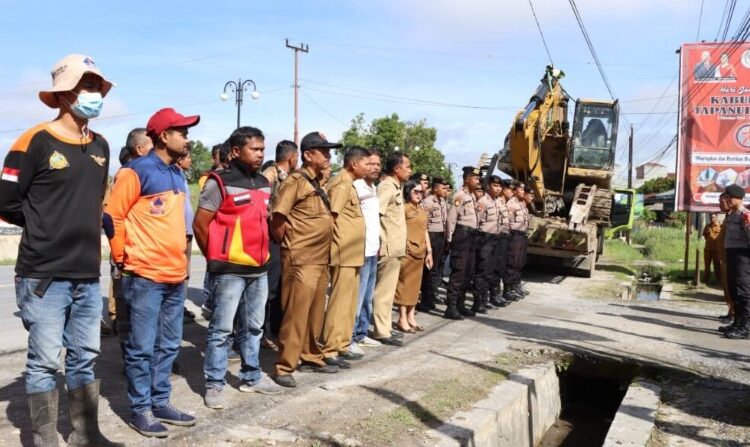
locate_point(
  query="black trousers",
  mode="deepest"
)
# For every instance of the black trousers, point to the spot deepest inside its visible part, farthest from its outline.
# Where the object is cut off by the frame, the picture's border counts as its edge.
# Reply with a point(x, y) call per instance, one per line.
point(486, 263)
point(272, 323)
point(462, 265)
point(516, 258)
point(431, 278)
point(738, 280)
point(501, 255)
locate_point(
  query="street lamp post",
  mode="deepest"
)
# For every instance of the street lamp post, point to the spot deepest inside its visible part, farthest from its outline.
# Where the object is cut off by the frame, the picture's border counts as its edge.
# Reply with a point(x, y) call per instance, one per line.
point(238, 88)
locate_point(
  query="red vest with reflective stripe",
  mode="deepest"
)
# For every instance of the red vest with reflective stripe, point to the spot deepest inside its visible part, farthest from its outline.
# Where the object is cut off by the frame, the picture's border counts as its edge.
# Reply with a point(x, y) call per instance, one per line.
point(238, 234)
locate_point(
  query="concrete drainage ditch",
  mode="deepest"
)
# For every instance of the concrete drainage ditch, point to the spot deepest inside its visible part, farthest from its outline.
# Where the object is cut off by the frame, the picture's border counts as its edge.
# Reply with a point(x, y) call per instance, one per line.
point(581, 402)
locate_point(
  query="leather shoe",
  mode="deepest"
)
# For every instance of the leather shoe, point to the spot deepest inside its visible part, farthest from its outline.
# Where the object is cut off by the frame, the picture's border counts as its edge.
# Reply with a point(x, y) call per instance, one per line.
point(335, 361)
point(390, 341)
point(285, 380)
point(499, 302)
point(396, 334)
point(314, 367)
point(349, 355)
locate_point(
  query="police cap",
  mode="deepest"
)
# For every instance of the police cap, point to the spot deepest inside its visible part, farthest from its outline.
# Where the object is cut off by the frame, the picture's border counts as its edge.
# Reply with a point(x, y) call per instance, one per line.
point(735, 191)
point(439, 181)
point(470, 171)
point(418, 177)
point(495, 179)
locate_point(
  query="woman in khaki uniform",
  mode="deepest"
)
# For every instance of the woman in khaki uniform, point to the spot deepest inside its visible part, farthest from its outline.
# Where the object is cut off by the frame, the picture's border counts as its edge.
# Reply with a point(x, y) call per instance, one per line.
point(418, 255)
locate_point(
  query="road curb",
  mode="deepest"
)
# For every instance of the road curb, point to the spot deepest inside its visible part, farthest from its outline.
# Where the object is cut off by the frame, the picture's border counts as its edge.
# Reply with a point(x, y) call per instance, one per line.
point(635, 418)
point(516, 413)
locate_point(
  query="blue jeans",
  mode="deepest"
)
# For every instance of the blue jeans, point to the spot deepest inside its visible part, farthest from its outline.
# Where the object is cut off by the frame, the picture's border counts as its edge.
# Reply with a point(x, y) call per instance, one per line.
point(245, 298)
point(67, 315)
point(154, 340)
point(367, 276)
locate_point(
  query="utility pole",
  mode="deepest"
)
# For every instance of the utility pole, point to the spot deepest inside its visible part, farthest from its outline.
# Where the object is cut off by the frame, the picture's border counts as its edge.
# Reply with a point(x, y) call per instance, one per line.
point(303, 48)
point(630, 158)
point(630, 173)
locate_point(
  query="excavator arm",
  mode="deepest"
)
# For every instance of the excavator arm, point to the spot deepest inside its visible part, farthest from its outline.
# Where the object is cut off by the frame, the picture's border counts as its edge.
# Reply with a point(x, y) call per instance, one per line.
point(537, 141)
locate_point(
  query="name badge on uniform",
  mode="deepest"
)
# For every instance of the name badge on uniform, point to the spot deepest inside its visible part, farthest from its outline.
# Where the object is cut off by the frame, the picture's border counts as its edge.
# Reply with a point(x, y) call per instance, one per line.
point(242, 199)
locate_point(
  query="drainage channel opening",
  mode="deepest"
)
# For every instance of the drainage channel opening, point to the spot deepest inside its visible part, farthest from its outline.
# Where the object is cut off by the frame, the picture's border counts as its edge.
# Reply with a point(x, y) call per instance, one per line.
point(590, 392)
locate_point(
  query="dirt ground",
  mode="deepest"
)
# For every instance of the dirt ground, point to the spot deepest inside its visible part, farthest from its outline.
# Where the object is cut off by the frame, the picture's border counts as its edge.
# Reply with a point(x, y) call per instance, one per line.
point(395, 395)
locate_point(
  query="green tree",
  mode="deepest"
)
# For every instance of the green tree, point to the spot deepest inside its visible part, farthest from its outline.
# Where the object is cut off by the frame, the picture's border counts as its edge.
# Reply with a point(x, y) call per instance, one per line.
point(659, 184)
point(390, 133)
point(201, 156)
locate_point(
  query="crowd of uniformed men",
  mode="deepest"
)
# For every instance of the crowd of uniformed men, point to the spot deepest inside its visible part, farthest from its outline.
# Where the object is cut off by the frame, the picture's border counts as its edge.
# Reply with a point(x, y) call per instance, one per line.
point(338, 252)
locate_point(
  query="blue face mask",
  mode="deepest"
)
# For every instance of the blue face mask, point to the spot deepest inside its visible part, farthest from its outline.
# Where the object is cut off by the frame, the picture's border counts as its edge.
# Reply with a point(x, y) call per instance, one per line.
point(88, 105)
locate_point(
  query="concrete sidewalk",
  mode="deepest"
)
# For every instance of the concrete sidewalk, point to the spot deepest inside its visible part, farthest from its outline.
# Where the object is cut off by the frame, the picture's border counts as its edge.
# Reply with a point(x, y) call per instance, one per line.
point(347, 408)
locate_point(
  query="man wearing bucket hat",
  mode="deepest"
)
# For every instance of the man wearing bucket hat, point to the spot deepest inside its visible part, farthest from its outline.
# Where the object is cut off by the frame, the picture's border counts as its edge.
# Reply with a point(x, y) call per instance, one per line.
point(52, 184)
point(147, 207)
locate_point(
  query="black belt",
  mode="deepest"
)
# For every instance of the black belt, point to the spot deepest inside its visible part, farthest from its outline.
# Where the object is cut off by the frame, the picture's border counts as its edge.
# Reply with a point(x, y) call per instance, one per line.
point(467, 229)
point(521, 232)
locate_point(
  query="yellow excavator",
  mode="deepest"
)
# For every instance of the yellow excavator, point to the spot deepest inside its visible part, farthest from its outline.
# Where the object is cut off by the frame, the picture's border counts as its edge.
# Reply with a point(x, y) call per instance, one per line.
point(570, 171)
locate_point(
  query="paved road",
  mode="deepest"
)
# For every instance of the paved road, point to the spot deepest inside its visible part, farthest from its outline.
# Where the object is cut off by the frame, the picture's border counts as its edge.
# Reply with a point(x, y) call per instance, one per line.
point(14, 337)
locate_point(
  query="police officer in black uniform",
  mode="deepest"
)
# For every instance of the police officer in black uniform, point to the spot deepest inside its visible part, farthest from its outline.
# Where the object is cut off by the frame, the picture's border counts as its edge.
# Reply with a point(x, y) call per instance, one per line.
point(461, 234)
point(737, 247)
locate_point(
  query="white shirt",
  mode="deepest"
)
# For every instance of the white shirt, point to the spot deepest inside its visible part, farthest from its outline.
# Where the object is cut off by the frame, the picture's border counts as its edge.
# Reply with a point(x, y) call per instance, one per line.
point(368, 197)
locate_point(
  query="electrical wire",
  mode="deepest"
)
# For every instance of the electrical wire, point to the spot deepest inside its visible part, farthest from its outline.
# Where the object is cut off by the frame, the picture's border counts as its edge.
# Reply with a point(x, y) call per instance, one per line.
point(323, 109)
point(539, 27)
point(700, 19)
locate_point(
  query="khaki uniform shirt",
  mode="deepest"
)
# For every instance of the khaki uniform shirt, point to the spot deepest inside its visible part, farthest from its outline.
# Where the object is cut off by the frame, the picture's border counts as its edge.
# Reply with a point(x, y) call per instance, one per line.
point(711, 233)
point(437, 213)
point(503, 216)
point(737, 229)
point(487, 214)
point(463, 211)
point(348, 245)
point(309, 225)
point(392, 220)
point(515, 212)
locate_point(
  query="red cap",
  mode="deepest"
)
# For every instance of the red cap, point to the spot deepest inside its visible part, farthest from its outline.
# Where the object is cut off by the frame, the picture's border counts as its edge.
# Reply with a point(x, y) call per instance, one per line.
point(166, 119)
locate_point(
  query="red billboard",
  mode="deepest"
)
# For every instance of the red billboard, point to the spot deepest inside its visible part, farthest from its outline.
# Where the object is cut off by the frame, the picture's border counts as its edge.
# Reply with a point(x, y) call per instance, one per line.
point(713, 149)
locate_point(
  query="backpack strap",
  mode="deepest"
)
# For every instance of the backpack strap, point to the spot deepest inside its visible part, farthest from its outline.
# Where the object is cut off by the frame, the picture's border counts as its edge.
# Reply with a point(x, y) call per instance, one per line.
point(217, 178)
point(319, 190)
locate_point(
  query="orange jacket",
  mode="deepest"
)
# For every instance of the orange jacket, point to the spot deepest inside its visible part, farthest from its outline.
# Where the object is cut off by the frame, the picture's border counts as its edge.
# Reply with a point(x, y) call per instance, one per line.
point(147, 206)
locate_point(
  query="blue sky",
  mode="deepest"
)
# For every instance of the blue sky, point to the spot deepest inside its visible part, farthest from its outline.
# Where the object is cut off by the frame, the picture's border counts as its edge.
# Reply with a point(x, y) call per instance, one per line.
point(365, 56)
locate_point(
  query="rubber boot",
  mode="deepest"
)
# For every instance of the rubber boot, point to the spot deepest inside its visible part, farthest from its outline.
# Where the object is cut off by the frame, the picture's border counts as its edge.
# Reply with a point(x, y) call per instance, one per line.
point(83, 406)
point(43, 412)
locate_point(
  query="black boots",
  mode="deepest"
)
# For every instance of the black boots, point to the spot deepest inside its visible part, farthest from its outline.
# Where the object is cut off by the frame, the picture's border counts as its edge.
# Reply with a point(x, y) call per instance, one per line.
point(43, 411)
point(496, 300)
point(478, 307)
point(83, 405)
point(739, 329)
point(451, 313)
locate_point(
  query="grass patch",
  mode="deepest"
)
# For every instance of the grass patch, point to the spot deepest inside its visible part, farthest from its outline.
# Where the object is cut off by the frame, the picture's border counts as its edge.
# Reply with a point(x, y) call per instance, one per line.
point(652, 243)
point(667, 245)
point(442, 399)
point(7, 261)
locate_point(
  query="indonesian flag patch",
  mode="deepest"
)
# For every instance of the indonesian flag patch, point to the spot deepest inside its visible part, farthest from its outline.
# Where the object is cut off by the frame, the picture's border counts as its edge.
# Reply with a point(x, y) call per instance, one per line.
point(10, 174)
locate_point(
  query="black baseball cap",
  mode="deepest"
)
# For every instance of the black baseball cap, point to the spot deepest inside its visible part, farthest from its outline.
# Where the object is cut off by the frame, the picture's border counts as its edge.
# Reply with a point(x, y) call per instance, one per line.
point(316, 140)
